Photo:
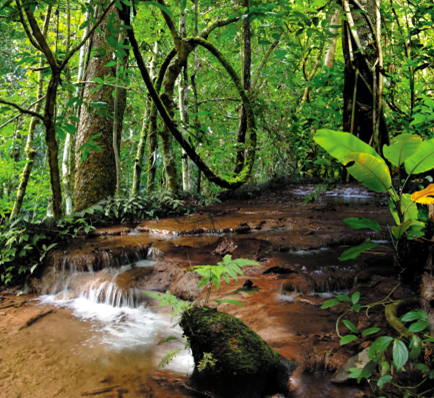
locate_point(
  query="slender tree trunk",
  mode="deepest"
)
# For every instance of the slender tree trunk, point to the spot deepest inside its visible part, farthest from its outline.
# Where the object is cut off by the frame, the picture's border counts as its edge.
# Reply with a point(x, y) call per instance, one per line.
point(246, 82)
point(144, 132)
point(30, 152)
point(329, 58)
point(96, 176)
point(193, 84)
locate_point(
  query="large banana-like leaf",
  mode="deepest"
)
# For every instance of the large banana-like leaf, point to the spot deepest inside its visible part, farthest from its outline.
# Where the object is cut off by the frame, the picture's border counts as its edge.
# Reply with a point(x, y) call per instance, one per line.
point(371, 171)
point(426, 196)
point(422, 160)
point(340, 144)
point(402, 148)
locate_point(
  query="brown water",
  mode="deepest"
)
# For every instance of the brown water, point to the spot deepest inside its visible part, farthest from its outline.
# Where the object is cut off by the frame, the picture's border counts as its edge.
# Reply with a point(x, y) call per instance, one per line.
point(99, 339)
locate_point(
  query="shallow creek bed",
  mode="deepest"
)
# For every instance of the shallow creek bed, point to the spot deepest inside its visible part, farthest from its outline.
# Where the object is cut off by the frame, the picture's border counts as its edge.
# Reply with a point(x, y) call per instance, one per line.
point(91, 331)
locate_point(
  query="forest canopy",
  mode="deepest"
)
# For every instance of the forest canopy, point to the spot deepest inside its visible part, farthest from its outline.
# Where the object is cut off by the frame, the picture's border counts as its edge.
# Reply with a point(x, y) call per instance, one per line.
point(122, 98)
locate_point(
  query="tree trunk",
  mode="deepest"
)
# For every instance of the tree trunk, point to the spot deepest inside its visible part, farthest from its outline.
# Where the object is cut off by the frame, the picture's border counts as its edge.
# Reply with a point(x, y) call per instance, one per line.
point(144, 132)
point(30, 152)
point(329, 58)
point(96, 177)
point(360, 56)
point(247, 65)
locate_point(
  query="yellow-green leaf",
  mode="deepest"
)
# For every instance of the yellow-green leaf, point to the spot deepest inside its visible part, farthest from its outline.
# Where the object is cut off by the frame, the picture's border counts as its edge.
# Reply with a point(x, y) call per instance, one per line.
point(422, 160)
point(402, 148)
point(369, 170)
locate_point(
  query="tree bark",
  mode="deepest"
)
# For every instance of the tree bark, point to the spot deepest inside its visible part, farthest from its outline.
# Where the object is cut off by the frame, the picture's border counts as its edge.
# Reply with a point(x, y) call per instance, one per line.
point(30, 152)
point(329, 58)
point(241, 137)
point(144, 131)
point(360, 55)
point(96, 177)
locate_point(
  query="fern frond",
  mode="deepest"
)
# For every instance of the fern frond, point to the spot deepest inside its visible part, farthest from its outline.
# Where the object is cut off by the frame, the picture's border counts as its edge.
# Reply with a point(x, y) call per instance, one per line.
point(167, 358)
point(167, 339)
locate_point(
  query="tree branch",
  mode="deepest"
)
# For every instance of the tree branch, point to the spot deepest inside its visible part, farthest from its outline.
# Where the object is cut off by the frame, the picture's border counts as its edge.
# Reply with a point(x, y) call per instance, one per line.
point(216, 24)
point(170, 24)
point(26, 28)
point(45, 48)
point(28, 112)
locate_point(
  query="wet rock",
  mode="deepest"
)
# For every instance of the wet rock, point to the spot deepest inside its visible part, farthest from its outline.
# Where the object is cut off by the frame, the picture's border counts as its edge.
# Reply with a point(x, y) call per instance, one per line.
point(186, 287)
point(356, 361)
point(244, 365)
point(225, 247)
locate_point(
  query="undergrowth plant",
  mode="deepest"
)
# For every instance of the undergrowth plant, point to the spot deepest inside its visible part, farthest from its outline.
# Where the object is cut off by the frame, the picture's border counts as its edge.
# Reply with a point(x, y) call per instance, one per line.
point(368, 167)
point(211, 276)
point(408, 367)
point(24, 242)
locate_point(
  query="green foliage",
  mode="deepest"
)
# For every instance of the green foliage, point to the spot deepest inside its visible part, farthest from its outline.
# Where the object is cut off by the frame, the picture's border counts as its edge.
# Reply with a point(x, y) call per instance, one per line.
point(416, 155)
point(168, 358)
point(406, 355)
point(206, 360)
point(319, 189)
point(225, 269)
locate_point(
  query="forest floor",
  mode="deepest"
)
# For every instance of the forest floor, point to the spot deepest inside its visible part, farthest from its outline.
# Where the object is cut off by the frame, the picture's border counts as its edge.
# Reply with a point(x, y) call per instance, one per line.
point(70, 341)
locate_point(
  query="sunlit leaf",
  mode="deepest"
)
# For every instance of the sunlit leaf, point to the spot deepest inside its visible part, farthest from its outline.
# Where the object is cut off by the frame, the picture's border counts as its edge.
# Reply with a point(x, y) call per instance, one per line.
point(340, 144)
point(371, 171)
point(426, 196)
point(422, 160)
point(402, 148)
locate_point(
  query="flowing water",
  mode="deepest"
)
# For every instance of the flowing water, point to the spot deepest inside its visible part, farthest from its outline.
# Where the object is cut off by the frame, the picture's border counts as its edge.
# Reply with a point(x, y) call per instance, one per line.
point(93, 331)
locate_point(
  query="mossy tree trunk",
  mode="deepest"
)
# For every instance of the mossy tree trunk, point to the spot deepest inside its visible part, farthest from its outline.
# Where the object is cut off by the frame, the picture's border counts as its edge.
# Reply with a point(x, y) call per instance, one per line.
point(29, 150)
point(95, 178)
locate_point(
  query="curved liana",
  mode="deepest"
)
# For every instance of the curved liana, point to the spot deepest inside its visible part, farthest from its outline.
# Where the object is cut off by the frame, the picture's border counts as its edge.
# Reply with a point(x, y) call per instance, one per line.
point(244, 174)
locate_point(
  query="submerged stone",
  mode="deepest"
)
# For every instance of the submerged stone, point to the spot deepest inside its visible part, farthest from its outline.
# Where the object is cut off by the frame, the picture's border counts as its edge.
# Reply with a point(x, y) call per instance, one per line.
point(243, 364)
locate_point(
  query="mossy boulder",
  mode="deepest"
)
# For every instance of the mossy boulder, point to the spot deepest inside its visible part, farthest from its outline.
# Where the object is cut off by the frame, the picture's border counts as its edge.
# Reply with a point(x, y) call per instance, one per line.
point(245, 366)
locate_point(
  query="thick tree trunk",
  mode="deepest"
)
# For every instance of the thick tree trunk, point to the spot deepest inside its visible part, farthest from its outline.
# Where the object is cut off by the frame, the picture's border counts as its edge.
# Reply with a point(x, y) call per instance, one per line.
point(95, 178)
point(361, 62)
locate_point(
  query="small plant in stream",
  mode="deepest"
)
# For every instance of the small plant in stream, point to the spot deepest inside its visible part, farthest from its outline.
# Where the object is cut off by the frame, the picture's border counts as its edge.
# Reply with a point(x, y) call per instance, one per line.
point(407, 369)
point(211, 274)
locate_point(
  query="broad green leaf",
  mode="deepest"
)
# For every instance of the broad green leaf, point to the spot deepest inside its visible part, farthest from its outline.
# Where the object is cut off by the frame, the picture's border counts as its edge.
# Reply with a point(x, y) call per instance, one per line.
point(423, 368)
point(369, 331)
point(383, 380)
point(343, 297)
point(398, 230)
point(351, 326)
point(368, 369)
point(379, 346)
point(415, 347)
point(360, 223)
point(400, 354)
point(414, 316)
point(422, 160)
point(402, 148)
point(355, 252)
point(355, 373)
point(371, 171)
point(347, 339)
point(331, 303)
point(340, 144)
point(357, 307)
point(418, 327)
point(355, 297)
point(426, 196)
